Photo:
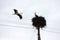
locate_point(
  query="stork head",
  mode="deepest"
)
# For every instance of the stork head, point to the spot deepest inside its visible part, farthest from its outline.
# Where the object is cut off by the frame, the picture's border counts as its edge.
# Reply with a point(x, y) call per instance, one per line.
point(36, 15)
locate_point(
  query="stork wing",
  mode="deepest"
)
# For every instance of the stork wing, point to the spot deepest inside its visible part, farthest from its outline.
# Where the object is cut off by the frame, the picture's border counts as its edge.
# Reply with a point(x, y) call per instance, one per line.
point(16, 11)
point(20, 16)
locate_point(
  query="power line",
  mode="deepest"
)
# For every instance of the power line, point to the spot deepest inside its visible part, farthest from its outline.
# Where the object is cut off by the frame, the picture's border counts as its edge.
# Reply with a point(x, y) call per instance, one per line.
point(16, 26)
point(51, 31)
point(15, 22)
point(26, 28)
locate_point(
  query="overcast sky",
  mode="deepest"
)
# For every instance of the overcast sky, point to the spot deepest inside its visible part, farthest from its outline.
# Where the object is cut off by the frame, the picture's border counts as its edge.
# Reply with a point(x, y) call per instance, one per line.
point(12, 28)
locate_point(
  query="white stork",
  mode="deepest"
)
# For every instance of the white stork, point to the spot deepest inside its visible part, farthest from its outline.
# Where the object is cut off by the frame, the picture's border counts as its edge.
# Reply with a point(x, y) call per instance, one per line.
point(16, 13)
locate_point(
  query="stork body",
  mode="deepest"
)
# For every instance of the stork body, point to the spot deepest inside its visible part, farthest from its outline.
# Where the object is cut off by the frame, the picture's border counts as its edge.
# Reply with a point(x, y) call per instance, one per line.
point(16, 13)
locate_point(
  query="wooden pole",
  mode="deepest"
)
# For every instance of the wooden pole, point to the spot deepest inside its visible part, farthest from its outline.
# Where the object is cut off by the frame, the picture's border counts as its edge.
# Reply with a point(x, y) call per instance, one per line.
point(39, 34)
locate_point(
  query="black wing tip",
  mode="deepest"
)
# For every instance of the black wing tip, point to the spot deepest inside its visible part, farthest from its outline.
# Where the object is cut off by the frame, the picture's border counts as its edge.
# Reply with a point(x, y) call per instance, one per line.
point(20, 17)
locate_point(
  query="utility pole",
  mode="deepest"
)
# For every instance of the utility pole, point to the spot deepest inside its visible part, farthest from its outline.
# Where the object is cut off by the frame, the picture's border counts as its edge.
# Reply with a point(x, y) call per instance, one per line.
point(39, 38)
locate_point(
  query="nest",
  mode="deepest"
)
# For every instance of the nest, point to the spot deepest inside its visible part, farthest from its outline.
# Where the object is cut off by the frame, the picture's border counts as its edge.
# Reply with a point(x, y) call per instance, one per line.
point(38, 22)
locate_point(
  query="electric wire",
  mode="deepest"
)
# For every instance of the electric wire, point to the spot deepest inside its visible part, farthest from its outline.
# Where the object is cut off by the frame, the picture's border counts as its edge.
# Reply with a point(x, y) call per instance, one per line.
point(26, 28)
point(51, 31)
point(15, 22)
point(16, 26)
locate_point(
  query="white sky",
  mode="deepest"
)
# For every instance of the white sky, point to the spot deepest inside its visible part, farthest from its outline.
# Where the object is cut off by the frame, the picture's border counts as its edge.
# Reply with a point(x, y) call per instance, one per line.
point(12, 28)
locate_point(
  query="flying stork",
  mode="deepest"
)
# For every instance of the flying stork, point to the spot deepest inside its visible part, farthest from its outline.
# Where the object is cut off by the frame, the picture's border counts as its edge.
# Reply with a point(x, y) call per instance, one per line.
point(16, 13)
